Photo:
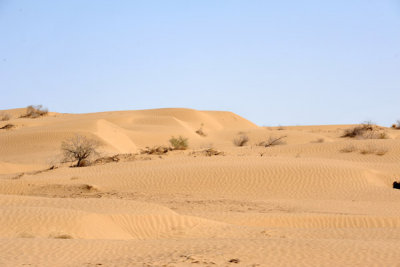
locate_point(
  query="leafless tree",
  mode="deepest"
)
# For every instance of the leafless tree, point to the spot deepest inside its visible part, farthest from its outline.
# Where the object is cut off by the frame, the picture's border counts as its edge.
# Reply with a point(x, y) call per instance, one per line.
point(79, 148)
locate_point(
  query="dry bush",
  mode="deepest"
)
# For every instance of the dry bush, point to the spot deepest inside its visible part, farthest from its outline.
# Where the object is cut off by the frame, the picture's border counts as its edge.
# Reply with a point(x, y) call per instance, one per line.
point(208, 152)
point(273, 141)
point(366, 130)
point(5, 117)
point(7, 127)
point(79, 149)
point(368, 150)
point(241, 140)
point(179, 143)
point(396, 125)
point(115, 158)
point(381, 151)
point(200, 131)
point(35, 112)
point(348, 149)
point(156, 150)
point(319, 140)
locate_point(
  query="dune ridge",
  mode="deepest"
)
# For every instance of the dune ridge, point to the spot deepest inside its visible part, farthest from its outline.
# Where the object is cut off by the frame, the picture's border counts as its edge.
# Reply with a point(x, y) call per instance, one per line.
point(316, 200)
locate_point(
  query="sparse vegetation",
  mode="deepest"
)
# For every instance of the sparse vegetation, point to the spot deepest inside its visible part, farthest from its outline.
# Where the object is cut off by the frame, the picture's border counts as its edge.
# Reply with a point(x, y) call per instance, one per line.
point(368, 149)
point(156, 150)
point(348, 149)
point(366, 130)
point(179, 143)
point(5, 117)
point(381, 152)
point(200, 131)
point(208, 152)
point(7, 126)
point(35, 112)
point(79, 149)
point(273, 141)
point(396, 125)
point(319, 140)
point(241, 140)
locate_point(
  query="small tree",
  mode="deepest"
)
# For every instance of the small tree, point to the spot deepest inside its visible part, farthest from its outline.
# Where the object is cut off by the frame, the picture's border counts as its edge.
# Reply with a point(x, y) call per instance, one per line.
point(179, 143)
point(79, 148)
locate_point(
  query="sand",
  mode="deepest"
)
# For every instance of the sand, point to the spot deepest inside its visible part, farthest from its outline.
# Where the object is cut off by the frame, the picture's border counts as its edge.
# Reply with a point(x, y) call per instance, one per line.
point(302, 203)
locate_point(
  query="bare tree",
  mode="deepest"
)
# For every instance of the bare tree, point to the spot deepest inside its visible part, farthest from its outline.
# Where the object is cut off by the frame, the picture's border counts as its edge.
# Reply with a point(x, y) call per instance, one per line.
point(79, 148)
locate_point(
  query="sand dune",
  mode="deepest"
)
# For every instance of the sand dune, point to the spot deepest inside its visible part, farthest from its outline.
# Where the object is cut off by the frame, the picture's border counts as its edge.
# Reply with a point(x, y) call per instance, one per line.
point(316, 200)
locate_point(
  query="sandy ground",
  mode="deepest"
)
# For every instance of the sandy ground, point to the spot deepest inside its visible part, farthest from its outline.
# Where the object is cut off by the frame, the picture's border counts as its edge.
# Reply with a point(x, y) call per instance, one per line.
point(302, 203)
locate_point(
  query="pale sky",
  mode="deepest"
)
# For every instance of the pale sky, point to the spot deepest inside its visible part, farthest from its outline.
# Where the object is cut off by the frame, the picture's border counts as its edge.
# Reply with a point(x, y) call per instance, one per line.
point(272, 62)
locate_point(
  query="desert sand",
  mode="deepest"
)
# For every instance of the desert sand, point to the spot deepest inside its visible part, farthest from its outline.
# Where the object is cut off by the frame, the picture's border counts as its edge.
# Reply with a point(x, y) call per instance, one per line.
point(302, 203)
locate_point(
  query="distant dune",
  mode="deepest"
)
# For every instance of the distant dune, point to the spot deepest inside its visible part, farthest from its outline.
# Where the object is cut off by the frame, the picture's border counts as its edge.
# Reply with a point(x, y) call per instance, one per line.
point(314, 199)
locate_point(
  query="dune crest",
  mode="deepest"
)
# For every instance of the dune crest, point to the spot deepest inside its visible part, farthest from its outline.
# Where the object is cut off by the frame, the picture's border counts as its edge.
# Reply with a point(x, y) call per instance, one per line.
point(314, 199)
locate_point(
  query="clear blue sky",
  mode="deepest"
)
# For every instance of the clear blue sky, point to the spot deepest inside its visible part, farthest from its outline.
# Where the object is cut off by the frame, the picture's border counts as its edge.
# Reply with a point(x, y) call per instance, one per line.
point(273, 62)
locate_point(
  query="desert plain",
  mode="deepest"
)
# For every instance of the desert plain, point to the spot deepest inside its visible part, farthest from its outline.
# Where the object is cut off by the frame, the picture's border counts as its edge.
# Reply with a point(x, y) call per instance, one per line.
point(314, 198)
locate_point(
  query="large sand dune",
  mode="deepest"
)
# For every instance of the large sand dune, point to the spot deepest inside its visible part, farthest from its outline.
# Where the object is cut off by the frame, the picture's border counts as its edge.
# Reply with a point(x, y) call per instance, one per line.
point(303, 203)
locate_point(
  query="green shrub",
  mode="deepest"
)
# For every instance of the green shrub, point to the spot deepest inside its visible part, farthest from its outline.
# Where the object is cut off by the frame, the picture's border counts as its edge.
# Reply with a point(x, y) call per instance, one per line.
point(179, 143)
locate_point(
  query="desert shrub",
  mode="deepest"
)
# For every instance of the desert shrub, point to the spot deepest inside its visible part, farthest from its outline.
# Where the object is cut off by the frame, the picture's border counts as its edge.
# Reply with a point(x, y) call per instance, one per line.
point(241, 140)
point(366, 130)
point(273, 141)
point(35, 112)
point(381, 152)
point(207, 152)
point(7, 126)
point(368, 150)
point(200, 131)
point(156, 150)
point(319, 140)
point(79, 149)
point(396, 125)
point(179, 143)
point(348, 149)
point(5, 117)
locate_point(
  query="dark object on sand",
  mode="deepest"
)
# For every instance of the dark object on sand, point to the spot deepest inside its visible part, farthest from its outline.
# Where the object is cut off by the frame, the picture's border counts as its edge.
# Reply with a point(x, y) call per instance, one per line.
point(396, 185)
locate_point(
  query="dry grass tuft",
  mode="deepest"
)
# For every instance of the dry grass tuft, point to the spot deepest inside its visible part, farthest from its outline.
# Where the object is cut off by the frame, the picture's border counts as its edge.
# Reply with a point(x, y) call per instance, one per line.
point(5, 117)
point(348, 149)
point(366, 130)
point(381, 152)
point(35, 112)
point(7, 126)
point(208, 152)
point(179, 143)
point(156, 150)
point(368, 150)
point(273, 141)
point(241, 140)
point(200, 131)
point(319, 140)
point(396, 125)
